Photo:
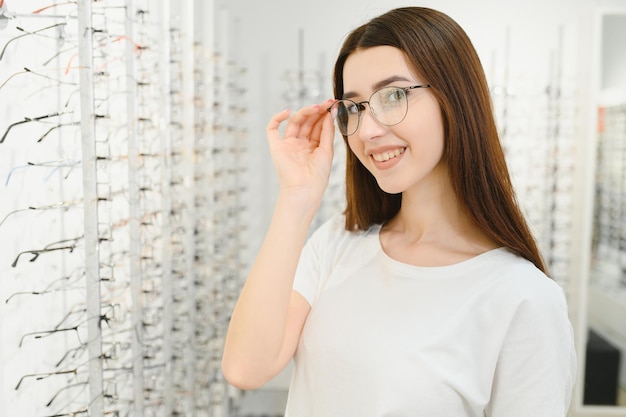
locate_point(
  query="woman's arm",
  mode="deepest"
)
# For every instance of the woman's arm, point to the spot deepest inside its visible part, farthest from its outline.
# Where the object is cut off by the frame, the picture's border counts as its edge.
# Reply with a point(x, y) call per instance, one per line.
point(268, 317)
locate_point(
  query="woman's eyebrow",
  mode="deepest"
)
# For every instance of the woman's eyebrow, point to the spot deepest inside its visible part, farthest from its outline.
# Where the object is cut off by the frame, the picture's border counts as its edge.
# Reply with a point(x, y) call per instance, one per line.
point(377, 85)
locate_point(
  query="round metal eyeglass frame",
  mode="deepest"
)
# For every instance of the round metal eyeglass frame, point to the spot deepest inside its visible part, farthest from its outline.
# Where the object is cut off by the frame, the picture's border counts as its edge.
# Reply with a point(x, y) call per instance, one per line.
point(360, 106)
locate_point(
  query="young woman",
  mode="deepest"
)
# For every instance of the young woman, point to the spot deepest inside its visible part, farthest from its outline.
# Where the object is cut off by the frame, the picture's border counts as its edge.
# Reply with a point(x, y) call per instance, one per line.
point(428, 295)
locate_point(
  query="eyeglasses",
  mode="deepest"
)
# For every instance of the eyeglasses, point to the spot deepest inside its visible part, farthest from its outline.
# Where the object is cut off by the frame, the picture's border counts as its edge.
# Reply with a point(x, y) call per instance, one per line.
point(28, 33)
point(32, 119)
point(388, 105)
point(66, 244)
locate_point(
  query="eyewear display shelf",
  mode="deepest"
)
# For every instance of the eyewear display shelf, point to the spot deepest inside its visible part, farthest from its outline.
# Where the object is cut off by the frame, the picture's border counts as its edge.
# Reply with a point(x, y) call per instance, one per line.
point(121, 219)
point(607, 286)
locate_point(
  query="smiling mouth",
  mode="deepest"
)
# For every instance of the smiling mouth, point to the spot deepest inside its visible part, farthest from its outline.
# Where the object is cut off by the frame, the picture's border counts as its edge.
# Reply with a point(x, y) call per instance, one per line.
point(385, 156)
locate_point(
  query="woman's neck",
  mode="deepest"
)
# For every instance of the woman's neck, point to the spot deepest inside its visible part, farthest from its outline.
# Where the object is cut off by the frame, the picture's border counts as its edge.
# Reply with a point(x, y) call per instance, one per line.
point(431, 214)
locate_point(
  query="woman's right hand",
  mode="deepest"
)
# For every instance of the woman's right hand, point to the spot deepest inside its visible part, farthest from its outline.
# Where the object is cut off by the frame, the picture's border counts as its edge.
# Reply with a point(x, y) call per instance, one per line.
point(303, 155)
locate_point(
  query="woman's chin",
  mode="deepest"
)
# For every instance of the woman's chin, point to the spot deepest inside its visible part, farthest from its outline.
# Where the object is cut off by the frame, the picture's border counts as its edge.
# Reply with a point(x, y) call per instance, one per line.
point(390, 188)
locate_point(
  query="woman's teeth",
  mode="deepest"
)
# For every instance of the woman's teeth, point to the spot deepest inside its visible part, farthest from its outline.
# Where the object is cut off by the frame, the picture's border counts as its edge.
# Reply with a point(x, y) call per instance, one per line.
point(385, 156)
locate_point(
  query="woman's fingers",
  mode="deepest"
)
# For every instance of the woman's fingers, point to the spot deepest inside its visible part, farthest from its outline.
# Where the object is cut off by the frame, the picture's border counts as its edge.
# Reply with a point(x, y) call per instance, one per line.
point(327, 134)
point(303, 154)
point(274, 124)
point(313, 123)
point(303, 122)
point(324, 124)
point(316, 129)
point(300, 122)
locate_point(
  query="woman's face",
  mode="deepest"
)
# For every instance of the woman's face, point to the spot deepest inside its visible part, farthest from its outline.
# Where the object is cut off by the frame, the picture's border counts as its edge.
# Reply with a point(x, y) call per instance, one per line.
point(405, 156)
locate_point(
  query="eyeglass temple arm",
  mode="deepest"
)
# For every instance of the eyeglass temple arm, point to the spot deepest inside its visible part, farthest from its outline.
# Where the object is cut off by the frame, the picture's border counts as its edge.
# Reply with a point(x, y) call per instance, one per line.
point(27, 33)
point(28, 120)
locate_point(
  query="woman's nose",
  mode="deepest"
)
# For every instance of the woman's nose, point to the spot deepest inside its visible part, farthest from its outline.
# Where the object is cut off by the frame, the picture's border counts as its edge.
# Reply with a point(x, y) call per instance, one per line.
point(369, 127)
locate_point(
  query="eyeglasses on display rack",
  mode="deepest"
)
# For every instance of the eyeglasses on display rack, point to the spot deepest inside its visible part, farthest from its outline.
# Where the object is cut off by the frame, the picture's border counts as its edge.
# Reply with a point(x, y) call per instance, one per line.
point(54, 165)
point(44, 375)
point(39, 32)
point(67, 244)
point(15, 294)
point(388, 105)
point(145, 211)
point(46, 333)
point(64, 283)
point(29, 71)
point(29, 120)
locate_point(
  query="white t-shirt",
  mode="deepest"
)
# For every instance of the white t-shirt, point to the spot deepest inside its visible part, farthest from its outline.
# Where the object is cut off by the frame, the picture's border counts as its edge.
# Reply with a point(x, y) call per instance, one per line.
point(489, 336)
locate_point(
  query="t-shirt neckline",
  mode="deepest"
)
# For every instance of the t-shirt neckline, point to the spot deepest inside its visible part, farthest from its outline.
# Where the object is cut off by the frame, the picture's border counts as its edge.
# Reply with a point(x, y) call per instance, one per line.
point(464, 264)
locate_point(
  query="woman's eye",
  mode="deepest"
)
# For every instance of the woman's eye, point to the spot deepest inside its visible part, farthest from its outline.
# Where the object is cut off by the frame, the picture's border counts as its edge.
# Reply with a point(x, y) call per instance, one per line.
point(354, 109)
point(393, 96)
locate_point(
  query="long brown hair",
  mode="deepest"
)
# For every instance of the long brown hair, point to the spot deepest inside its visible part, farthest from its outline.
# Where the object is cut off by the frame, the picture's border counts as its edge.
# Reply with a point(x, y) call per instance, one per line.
point(440, 51)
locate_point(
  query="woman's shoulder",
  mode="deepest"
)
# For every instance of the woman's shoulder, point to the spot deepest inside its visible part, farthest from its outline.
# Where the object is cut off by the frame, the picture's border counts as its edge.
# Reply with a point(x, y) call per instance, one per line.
point(517, 279)
point(334, 229)
point(332, 241)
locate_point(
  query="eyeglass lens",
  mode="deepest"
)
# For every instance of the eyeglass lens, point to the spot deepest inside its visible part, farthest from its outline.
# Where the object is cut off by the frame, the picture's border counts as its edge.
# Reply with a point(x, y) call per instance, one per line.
point(388, 105)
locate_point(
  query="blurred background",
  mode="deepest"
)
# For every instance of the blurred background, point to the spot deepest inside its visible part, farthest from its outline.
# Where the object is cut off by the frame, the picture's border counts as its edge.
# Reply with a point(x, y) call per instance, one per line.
point(136, 185)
